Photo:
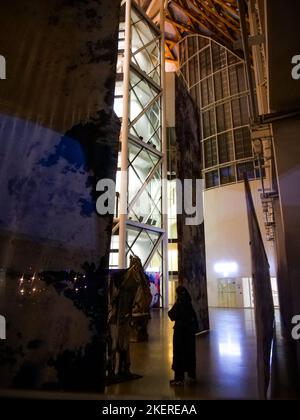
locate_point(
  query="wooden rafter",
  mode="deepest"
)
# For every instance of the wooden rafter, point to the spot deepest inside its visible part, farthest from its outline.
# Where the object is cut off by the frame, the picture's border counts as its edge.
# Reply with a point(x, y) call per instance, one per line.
point(169, 54)
point(232, 8)
point(181, 26)
point(227, 21)
point(216, 18)
point(209, 22)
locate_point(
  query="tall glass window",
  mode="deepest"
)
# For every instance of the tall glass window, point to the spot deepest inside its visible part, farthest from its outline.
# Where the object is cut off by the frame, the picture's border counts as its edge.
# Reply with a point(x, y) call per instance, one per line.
point(216, 80)
point(144, 223)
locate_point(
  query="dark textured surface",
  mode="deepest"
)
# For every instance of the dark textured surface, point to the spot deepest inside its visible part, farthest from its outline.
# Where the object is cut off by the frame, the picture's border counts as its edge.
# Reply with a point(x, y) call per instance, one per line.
point(58, 137)
point(55, 332)
point(191, 241)
point(48, 213)
point(262, 293)
point(284, 96)
point(58, 133)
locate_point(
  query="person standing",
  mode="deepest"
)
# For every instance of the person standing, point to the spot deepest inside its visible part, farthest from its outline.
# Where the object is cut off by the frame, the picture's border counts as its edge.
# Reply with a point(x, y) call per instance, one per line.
point(184, 343)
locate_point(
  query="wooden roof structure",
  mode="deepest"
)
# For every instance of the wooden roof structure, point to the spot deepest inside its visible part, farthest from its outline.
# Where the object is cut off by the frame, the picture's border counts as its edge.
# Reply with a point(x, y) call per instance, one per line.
point(217, 19)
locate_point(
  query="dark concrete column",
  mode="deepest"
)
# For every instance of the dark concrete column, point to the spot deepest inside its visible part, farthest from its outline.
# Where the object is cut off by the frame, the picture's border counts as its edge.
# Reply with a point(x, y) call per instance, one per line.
point(191, 240)
point(283, 40)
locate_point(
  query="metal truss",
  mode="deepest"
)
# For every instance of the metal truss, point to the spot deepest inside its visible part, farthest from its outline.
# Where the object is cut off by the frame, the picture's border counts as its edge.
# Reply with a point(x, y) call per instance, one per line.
point(142, 148)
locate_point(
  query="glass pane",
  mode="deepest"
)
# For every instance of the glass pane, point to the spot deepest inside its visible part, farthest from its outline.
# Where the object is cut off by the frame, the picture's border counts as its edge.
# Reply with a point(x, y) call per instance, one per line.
point(134, 183)
point(237, 79)
point(148, 128)
point(147, 208)
point(155, 265)
point(227, 175)
point(203, 42)
point(219, 56)
point(221, 85)
point(191, 46)
point(242, 140)
point(232, 59)
point(240, 112)
point(209, 125)
point(210, 152)
point(141, 94)
point(207, 92)
point(193, 69)
point(142, 160)
point(212, 179)
point(146, 57)
point(118, 106)
point(132, 236)
point(120, 64)
point(226, 150)
point(145, 31)
point(241, 78)
point(233, 81)
point(245, 168)
point(182, 51)
point(223, 117)
point(205, 63)
point(142, 247)
point(114, 259)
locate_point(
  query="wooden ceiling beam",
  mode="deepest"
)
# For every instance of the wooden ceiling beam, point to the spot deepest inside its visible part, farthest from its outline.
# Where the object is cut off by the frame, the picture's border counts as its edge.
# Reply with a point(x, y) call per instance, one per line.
point(232, 9)
point(171, 42)
point(218, 19)
point(152, 9)
point(221, 27)
point(169, 49)
point(195, 18)
point(170, 60)
point(206, 18)
point(169, 13)
point(178, 25)
point(213, 11)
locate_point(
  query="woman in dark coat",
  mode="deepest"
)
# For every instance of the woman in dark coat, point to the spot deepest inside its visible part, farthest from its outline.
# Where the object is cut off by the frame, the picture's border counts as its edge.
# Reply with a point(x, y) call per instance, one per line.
point(185, 328)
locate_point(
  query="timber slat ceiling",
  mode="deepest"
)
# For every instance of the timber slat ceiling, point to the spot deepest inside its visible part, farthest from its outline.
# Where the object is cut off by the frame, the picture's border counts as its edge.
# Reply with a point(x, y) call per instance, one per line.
point(214, 18)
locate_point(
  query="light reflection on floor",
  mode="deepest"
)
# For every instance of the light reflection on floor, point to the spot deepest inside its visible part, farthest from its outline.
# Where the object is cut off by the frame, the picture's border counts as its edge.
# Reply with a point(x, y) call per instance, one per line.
point(226, 360)
point(229, 348)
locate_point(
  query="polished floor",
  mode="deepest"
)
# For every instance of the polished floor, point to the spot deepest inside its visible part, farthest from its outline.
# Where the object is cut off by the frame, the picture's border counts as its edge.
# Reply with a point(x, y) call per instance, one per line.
point(226, 364)
point(226, 360)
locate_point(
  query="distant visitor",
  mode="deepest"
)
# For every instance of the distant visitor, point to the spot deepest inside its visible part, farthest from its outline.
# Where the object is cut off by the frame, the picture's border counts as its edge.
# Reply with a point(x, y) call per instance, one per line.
point(184, 343)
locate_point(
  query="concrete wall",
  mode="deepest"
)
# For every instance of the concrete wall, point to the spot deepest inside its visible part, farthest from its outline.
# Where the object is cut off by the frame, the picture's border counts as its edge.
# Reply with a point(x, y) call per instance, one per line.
point(227, 235)
point(283, 40)
point(283, 43)
point(287, 154)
